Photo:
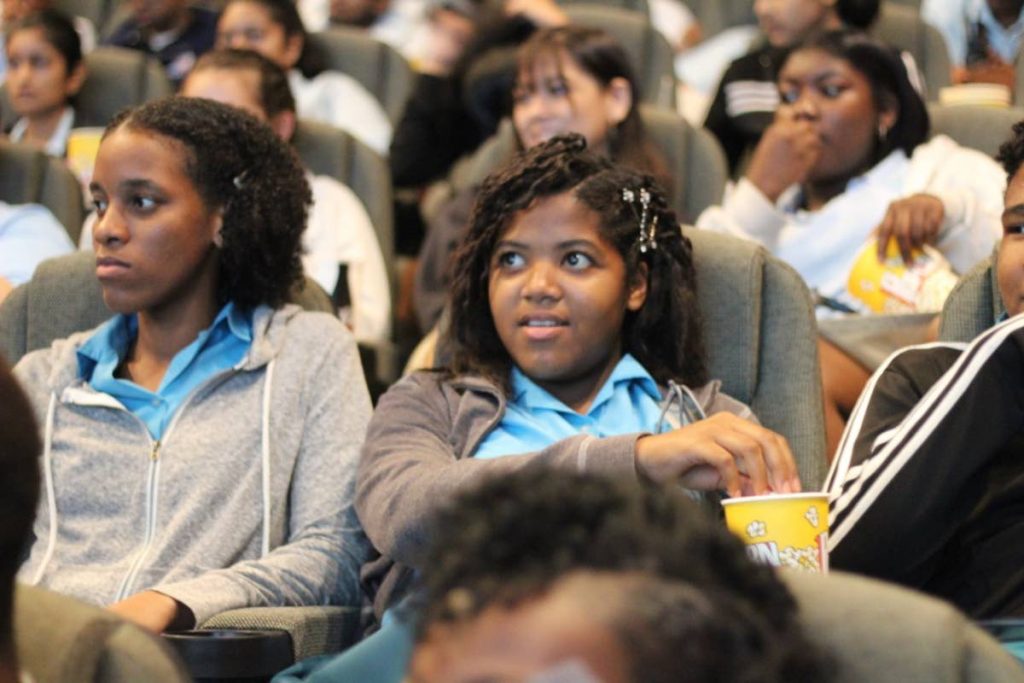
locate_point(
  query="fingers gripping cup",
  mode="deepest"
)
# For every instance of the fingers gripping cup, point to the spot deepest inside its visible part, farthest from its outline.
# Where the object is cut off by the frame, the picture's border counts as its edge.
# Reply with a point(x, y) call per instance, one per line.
point(783, 530)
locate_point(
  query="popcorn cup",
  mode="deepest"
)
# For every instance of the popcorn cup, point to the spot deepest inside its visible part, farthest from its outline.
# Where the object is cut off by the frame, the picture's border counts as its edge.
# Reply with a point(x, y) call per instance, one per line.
point(783, 530)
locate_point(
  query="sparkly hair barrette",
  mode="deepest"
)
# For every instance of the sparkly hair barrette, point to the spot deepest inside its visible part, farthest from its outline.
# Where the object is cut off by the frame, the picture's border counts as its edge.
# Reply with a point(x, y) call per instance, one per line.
point(648, 227)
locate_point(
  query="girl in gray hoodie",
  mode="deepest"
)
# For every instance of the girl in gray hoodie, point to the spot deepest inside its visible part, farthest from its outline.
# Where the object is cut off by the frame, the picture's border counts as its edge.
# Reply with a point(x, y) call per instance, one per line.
point(199, 447)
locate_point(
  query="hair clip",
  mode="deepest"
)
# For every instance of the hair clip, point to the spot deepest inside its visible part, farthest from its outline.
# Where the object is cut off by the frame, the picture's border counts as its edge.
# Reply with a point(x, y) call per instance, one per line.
point(241, 180)
point(645, 241)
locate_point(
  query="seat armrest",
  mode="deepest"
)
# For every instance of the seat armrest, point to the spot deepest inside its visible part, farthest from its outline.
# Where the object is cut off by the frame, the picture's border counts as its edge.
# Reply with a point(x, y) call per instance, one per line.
point(314, 630)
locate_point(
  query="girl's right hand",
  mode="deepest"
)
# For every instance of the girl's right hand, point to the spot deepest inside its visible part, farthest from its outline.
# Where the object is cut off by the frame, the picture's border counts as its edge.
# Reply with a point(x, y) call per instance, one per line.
point(723, 452)
point(788, 150)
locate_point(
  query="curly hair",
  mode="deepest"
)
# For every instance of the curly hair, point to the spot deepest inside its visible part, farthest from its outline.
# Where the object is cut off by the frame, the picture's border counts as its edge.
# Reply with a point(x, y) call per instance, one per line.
point(237, 163)
point(604, 59)
point(275, 95)
point(1011, 152)
point(514, 537)
point(665, 335)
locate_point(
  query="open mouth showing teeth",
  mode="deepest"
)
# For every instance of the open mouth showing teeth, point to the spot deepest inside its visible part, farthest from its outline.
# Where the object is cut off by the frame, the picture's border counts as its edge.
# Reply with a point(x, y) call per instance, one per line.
point(543, 323)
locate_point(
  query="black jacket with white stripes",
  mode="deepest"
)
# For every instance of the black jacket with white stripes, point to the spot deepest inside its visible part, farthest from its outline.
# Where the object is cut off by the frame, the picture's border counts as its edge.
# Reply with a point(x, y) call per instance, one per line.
point(745, 102)
point(927, 488)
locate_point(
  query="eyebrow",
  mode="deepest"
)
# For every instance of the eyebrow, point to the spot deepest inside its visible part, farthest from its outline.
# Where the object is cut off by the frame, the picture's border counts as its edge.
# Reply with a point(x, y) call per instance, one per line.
point(1015, 210)
point(568, 244)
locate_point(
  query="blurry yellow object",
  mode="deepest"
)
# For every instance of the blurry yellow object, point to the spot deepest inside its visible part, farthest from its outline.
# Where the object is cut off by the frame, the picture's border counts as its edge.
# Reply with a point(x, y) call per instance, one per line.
point(83, 146)
point(782, 530)
point(894, 287)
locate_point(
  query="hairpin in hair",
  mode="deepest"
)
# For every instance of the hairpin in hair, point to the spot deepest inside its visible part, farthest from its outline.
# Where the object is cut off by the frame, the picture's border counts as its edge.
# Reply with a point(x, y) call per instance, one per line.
point(241, 180)
point(646, 239)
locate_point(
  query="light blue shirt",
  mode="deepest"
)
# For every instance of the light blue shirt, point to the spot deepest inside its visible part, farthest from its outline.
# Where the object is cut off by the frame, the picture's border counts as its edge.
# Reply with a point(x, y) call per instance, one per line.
point(217, 348)
point(955, 18)
point(29, 234)
point(629, 401)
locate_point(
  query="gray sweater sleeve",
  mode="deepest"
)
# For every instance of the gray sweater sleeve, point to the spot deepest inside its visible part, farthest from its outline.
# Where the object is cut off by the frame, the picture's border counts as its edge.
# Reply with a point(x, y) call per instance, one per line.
point(409, 464)
point(323, 544)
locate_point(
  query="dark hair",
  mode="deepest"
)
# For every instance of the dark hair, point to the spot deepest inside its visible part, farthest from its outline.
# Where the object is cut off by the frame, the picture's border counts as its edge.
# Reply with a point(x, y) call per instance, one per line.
point(604, 59)
point(664, 335)
point(858, 14)
point(891, 87)
point(58, 31)
point(512, 538)
point(238, 163)
point(274, 92)
point(285, 14)
point(19, 481)
point(1011, 152)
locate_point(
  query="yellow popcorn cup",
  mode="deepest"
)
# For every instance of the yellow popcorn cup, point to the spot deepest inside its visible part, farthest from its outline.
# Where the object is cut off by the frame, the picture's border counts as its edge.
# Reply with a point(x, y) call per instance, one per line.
point(783, 530)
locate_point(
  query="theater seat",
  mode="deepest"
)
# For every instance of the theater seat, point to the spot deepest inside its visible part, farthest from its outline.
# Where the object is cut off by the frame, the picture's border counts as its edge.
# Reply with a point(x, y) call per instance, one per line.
point(884, 633)
point(376, 65)
point(974, 305)
point(29, 176)
point(61, 640)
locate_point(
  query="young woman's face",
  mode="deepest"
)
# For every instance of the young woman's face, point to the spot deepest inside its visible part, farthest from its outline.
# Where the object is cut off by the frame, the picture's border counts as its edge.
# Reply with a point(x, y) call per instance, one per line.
point(38, 81)
point(559, 293)
point(838, 100)
point(560, 97)
point(789, 22)
point(154, 235)
point(1010, 263)
point(250, 26)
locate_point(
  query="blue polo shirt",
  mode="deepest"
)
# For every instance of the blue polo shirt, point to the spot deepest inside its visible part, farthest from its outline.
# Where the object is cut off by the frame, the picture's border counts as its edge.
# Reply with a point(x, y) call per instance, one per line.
point(219, 347)
point(629, 401)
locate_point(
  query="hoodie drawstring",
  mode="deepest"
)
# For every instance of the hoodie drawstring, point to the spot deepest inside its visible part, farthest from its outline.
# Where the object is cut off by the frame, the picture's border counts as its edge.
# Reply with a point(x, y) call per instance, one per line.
point(51, 497)
point(268, 384)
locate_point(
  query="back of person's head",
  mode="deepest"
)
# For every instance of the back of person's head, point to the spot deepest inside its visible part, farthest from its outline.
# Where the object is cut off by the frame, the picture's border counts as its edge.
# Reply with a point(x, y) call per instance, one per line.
point(664, 335)
point(890, 84)
point(519, 537)
point(602, 58)
point(275, 95)
point(57, 30)
point(19, 481)
point(1011, 152)
point(858, 14)
point(237, 164)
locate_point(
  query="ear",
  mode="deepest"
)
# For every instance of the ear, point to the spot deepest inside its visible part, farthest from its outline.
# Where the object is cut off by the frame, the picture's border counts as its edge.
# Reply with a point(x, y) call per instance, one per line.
point(618, 100)
point(75, 80)
point(218, 225)
point(284, 124)
point(293, 50)
point(887, 117)
point(638, 288)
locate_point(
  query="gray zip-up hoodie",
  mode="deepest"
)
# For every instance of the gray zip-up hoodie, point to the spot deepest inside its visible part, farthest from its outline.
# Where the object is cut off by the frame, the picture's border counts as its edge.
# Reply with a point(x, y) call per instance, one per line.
point(418, 455)
point(246, 500)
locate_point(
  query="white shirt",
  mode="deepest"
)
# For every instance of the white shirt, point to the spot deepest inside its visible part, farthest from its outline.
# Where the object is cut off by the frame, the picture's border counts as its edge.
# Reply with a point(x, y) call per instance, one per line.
point(57, 145)
point(340, 100)
point(955, 20)
point(822, 245)
point(339, 231)
point(29, 234)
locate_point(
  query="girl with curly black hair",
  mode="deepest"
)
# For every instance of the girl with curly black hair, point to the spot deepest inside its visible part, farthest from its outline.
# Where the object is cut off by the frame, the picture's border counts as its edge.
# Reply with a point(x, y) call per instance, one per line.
point(199, 447)
point(576, 343)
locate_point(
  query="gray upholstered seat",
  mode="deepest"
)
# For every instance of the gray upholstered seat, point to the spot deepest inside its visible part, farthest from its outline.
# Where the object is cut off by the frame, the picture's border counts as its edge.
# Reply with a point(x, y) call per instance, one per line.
point(975, 126)
point(883, 633)
point(974, 305)
point(902, 27)
point(61, 640)
point(376, 65)
point(649, 52)
point(29, 176)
